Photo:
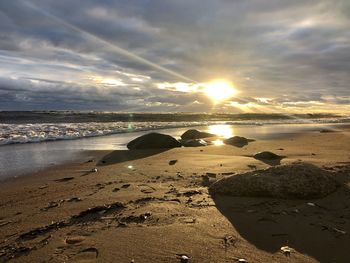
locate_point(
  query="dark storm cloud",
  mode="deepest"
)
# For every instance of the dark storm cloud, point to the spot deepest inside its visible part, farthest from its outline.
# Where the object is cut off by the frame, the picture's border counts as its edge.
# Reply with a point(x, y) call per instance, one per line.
point(288, 51)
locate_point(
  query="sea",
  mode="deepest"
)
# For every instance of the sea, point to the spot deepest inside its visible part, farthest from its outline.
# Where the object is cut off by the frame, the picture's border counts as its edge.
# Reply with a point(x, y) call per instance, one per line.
point(34, 140)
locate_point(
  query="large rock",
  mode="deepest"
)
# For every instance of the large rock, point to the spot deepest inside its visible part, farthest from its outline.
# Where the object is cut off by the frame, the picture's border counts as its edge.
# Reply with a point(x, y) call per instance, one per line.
point(195, 134)
point(238, 141)
point(293, 181)
point(153, 141)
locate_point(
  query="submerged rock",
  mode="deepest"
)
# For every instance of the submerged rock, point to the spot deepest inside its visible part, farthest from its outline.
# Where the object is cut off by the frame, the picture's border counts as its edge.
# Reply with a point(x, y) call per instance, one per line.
point(153, 141)
point(238, 141)
point(195, 134)
point(293, 181)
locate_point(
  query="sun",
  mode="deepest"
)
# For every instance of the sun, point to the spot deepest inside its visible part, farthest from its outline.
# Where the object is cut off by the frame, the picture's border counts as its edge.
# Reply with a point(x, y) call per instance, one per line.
point(219, 90)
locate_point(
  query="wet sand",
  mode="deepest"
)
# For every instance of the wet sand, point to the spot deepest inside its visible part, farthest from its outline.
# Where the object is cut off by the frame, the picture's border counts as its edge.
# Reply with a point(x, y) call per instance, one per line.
point(139, 207)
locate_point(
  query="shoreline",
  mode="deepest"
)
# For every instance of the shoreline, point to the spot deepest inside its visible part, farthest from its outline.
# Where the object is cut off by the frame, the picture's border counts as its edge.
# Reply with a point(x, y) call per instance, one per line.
point(151, 211)
point(16, 158)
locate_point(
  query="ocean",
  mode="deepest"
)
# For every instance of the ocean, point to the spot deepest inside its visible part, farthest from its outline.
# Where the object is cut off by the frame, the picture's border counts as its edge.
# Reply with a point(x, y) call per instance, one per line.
point(31, 141)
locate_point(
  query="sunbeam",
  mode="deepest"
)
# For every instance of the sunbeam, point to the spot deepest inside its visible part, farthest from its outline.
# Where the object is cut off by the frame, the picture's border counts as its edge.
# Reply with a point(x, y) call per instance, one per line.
point(113, 46)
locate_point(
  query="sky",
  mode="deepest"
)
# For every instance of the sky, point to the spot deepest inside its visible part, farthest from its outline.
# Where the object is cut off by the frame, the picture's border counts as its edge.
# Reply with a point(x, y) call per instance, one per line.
point(159, 55)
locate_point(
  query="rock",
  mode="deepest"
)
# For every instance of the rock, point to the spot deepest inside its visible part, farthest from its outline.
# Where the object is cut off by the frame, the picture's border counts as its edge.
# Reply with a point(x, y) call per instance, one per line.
point(172, 162)
point(267, 156)
point(153, 141)
point(195, 134)
point(286, 250)
point(293, 181)
point(184, 259)
point(194, 143)
point(238, 141)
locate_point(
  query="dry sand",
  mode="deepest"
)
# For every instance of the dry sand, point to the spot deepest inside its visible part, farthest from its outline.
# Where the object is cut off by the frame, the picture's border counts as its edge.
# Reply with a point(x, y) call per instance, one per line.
point(143, 209)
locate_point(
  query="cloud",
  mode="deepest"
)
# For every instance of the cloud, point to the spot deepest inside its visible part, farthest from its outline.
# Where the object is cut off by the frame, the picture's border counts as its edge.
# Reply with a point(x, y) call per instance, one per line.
point(287, 51)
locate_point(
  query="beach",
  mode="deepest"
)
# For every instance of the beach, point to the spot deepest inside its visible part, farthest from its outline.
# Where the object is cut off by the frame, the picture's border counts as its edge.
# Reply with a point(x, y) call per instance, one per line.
point(152, 206)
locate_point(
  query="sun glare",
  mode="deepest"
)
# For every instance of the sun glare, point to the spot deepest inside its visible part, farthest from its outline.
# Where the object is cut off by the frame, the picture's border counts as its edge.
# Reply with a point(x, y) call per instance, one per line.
point(219, 90)
point(225, 131)
point(218, 142)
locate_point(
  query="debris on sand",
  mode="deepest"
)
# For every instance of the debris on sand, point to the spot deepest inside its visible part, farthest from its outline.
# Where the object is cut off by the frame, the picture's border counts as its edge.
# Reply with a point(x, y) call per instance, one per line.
point(41, 231)
point(238, 141)
point(211, 175)
point(74, 239)
point(96, 212)
point(52, 204)
point(153, 141)
point(189, 193)
point(4, 223)
point(183, 258)
point(326, 131)
point(286, 250)
point(135, 219)
point(172, 162)
point(292, 181)
point(74, 199)
point(64, 179)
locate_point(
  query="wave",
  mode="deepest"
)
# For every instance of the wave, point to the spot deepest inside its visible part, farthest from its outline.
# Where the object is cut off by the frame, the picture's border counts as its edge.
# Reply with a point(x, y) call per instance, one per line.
point(40, 132)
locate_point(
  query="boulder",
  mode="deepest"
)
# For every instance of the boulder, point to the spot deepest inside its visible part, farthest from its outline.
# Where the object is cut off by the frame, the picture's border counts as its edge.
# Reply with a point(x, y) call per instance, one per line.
point(153, 141)
point(195, 134)
point(292, 181)
point(194, 143)
point(267, 156)
point(238, 141)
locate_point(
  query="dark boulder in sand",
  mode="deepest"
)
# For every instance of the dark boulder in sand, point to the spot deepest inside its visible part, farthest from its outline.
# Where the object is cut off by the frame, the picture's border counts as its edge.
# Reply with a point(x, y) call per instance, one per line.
point(292, 181)
point(238, 141)
point(153, 141)
point(267, 156)
point(195, 134)
point(194, 143)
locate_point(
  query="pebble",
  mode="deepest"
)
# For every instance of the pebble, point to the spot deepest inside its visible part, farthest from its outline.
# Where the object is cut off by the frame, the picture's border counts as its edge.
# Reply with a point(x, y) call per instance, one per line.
point(172, 162)
point(286, 250)
point(184, 259)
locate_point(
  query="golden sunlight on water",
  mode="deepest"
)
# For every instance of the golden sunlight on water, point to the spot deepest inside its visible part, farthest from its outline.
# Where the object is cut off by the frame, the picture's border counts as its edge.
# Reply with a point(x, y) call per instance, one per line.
point(218, 142)
point(225, 131)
